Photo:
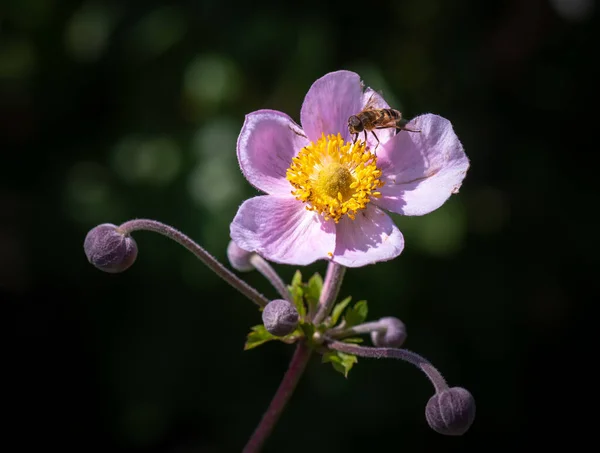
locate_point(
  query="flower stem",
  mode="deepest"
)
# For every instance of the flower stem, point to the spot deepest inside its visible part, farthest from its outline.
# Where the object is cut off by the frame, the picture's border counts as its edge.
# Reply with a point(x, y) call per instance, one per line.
point(438, 381)
point(331, 288)
point(358, 329)
point(211, 262)
point(280, 399)
point(262, 266)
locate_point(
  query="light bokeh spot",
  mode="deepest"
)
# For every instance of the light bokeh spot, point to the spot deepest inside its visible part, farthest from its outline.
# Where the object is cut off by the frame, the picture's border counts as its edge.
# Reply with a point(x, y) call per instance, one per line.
point(215, 182)
point(210, 80)
point(441, 232)
point(574, 10)
point(147, 160)
point(17, 58)
point(88, 196)
point(156, 32)
point(88, 30)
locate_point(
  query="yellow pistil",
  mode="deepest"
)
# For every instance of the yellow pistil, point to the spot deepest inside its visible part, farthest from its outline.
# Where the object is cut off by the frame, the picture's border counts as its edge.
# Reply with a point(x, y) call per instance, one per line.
point(335, 178)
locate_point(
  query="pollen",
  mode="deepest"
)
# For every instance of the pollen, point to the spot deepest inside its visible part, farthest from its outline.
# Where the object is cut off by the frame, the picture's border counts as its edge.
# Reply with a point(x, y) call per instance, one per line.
point(335, 178)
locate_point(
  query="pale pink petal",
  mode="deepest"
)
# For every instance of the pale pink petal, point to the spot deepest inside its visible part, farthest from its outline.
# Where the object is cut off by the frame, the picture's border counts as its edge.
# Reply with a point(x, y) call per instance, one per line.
point(421, 169)
point(330, 101)
point(369, 238)
point(376, 101)
point(280, 229)
point(265, 147)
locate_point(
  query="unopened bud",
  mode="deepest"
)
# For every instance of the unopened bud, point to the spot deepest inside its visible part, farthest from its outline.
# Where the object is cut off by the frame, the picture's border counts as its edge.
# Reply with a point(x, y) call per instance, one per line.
point(451, 411)
point(393, 336)
point(108, 249)
point(280, 317)
point(239, 258)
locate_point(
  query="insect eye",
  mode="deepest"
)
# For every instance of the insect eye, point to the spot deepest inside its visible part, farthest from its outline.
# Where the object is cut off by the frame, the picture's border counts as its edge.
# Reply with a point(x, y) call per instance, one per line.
point(354, 121)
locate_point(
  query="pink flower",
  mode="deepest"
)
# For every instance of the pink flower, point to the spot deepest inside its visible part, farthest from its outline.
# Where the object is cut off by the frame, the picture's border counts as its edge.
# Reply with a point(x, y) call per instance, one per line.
point(325, 194)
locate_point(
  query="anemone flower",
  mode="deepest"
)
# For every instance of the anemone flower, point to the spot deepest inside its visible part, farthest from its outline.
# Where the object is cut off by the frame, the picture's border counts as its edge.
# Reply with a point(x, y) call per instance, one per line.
point(325, 192)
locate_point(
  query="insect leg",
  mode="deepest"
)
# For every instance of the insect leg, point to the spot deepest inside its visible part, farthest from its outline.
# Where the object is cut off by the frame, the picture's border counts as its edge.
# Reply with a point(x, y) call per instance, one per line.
point(355, 137)
point(407, 129)
point(401, 126)
point(376, 138)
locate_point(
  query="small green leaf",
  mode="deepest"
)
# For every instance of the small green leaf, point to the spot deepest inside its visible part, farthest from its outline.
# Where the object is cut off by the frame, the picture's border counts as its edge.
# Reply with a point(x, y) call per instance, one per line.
point(312, 291)
point(357, 314)
point(348, 361)
point(353, 340)
point(330, 356)
point(338, 310)
point(298, 296)
point(297, 293)
point(315, 285)
point(296, 279)
point(308, 329)
point(258, 336)
point(340, 361)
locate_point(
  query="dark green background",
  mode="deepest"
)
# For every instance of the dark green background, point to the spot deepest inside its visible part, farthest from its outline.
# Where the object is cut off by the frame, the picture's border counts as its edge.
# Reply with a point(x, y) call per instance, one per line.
point(111, 110)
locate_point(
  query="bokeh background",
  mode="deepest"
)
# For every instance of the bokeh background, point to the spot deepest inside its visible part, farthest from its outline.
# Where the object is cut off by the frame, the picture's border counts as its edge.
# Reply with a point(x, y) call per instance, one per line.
point(111, 110)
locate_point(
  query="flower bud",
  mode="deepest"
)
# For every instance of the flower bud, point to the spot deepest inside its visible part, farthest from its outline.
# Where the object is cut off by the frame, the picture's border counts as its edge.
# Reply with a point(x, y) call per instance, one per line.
point(239, 258)
point(109, 250)
point(393, 336)
point(451, 411)
point(280, 317)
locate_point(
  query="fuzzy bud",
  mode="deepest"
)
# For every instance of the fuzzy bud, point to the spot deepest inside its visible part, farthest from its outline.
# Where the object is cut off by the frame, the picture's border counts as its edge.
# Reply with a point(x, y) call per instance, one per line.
point(280, 317)
point(393, 336)
point(451, 411)
point(239, 258)
point(109, 250)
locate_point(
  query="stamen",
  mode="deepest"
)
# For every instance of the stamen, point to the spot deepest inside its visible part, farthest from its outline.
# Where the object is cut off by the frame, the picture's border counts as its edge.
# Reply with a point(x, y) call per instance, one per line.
point(335, 178)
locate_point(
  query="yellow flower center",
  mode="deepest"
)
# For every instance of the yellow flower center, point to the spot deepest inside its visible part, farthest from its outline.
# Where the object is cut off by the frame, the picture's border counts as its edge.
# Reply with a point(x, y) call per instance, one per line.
point(335, 178)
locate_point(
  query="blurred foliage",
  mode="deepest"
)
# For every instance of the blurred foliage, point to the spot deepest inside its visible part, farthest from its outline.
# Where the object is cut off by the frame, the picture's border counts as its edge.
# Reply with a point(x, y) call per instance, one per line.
point(111, 110)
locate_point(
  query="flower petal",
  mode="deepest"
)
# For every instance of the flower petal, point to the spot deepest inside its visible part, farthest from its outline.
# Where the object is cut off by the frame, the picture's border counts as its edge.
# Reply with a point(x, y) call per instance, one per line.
point(268, 141)
point(369, 238)
point(281, 230)
point(421, 169)
point(330, 101)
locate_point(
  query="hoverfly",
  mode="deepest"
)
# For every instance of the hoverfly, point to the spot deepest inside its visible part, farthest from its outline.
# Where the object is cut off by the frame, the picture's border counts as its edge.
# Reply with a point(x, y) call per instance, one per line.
point(371, 118)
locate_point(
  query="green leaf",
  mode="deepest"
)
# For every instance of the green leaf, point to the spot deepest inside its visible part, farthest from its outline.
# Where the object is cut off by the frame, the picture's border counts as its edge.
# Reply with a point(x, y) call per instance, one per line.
point(340, 361)
point(357, 314)
point(298, 296)
point(296, 279)
point(297, 292)
point(338, 310)
point(312, 291)
point(353, 340)
point(258, 336)
point(315, 285)
point(308, 330)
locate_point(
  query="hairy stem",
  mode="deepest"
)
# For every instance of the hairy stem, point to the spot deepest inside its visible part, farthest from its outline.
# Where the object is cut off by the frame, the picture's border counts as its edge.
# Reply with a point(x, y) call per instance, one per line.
point(438, 381)
point(280, 399)
point(211, 262)
point(262, 266)
point(331, 289)
point(359, 329)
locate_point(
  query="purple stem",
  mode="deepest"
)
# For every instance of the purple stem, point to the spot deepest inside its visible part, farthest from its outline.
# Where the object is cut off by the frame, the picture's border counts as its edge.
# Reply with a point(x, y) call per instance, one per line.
point(280, 399)
point(439, 383)
point(170, 232)
point(262, 266)
point(358, 329)
point(331, 289)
